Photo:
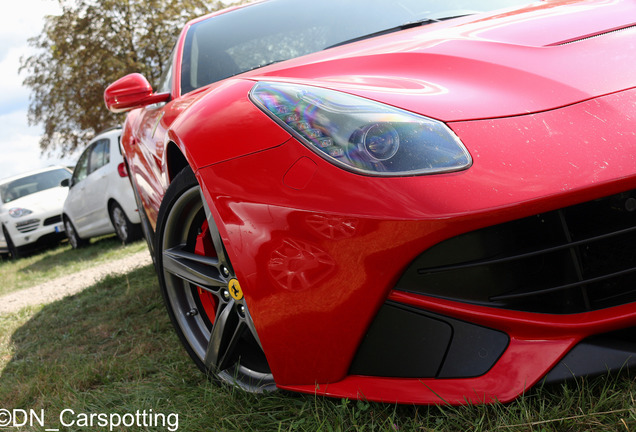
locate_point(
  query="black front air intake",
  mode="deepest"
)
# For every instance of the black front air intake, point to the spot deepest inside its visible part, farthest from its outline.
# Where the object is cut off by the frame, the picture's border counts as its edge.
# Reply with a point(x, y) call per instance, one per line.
point(405, 342)
point(597, 355)
point(52, 220)
point(571, 260)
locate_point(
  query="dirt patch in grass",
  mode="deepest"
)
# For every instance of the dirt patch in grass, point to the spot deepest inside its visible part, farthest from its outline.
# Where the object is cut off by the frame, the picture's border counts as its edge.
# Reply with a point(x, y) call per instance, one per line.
point(71, 283)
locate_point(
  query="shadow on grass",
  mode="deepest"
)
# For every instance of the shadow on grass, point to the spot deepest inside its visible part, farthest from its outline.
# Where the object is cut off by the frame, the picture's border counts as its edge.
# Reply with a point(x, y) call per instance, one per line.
point(111, 349)
point(62, 255)
point(108, 348)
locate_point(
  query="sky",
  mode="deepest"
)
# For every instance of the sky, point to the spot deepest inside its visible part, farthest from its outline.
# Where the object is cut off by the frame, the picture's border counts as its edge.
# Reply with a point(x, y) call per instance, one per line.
point(19, 142)
point(19, 149)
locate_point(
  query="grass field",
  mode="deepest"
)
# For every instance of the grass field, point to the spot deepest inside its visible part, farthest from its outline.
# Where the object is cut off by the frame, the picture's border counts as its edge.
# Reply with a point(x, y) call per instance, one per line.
point(49, 264)
point(110, 349)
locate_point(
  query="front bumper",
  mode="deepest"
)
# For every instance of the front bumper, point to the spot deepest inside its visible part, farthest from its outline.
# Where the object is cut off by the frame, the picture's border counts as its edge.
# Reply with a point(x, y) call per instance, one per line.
point(320, 253)
point(34, 230)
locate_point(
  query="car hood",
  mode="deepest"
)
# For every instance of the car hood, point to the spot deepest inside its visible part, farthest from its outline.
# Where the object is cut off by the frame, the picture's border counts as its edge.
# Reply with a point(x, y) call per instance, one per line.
point(43, 201)
point(546, 55)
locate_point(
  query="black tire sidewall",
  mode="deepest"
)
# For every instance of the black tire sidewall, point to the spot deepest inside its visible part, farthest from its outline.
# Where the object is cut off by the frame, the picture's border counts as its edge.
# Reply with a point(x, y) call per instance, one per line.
point(13, 249)
point(182, 182)
point(78, 240)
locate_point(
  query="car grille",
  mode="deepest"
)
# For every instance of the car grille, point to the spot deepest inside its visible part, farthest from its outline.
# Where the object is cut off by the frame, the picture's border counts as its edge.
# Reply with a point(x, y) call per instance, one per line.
point(28, 225)
point(571, 260)
point(52, 220)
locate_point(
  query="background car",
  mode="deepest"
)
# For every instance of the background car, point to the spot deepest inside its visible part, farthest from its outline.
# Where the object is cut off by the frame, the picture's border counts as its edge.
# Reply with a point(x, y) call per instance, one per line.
point(4, 250)
point(31, 209)
point(100, 198)
point(402, 201)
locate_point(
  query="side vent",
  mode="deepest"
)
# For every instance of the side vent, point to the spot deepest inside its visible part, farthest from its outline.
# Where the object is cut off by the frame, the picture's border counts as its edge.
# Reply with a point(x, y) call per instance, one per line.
point(595, 35)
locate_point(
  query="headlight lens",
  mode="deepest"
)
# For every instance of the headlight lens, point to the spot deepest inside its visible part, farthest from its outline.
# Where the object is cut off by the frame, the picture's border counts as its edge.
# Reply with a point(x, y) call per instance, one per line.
point(362, 135)
point(17, 212)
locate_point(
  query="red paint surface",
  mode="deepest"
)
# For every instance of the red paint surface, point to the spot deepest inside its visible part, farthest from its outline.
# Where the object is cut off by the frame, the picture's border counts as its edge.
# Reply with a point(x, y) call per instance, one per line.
point(547, 124)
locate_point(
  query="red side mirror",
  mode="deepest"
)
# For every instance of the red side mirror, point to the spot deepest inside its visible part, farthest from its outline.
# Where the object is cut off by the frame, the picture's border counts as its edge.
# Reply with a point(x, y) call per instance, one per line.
point(130, 92)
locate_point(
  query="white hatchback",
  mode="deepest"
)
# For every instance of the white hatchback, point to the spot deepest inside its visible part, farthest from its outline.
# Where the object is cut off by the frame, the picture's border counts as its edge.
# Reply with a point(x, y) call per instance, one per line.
point(31, 208)
point(100, 198)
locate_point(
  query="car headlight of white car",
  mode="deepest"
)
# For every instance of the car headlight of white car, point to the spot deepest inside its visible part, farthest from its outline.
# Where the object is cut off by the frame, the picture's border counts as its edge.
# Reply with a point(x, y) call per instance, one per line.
point(17, 212)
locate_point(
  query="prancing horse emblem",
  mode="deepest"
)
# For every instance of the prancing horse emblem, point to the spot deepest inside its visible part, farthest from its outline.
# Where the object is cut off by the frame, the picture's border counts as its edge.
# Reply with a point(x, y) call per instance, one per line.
point(235, 289)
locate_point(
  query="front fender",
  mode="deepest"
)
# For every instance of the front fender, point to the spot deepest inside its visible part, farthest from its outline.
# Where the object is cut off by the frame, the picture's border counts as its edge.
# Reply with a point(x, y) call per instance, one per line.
point(222, 124)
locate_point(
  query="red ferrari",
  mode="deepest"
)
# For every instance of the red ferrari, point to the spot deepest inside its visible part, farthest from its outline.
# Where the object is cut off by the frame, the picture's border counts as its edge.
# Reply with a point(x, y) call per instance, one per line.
point(409, 201)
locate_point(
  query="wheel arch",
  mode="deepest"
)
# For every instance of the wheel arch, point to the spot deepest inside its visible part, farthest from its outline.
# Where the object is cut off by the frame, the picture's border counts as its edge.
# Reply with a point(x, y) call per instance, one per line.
point(113, 201)
point(219, 125)
point(175, 160)
point(66, 217)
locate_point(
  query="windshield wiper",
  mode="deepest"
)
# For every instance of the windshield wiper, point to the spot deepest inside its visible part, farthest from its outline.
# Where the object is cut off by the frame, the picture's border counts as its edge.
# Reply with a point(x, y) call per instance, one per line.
point(406, 26)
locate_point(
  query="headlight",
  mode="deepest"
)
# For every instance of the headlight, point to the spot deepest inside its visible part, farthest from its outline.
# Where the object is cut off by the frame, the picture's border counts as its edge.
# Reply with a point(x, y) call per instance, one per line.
point(362, 135)
point(17, 212)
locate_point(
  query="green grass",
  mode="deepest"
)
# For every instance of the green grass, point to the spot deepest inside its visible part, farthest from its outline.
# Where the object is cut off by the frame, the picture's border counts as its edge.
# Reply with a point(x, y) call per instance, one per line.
point(52, 263)
point(111, 349)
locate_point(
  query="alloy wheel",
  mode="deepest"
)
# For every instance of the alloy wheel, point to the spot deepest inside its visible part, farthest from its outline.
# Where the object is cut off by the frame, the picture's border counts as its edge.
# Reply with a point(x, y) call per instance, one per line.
point(120, 223)
point(73, 239)
point(204, 296)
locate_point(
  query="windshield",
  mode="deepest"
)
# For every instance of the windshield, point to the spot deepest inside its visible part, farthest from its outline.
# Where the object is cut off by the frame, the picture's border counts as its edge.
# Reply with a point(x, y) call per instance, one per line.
point(31, 184)
point(277, 30)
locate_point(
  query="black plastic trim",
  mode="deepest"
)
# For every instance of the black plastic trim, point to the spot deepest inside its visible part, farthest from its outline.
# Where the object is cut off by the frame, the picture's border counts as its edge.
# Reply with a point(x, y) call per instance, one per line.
point(570, 260)
point(607, 353)
point(52, 220)
point(406, 342)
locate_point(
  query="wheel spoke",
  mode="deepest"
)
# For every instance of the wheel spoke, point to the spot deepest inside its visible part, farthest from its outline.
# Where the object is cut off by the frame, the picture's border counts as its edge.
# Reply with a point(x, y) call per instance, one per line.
point(120, 222)
point(216, 236)
point(226, 332)
point(200, 270)
point(250, 326)
point(192, 257)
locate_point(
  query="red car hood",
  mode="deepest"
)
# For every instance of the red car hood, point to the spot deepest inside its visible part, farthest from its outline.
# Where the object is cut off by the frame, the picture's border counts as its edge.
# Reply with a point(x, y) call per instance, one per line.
point(547, 55)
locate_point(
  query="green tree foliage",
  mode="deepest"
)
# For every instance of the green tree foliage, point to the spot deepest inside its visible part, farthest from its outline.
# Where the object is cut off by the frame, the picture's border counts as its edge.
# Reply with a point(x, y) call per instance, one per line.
point(90, 45)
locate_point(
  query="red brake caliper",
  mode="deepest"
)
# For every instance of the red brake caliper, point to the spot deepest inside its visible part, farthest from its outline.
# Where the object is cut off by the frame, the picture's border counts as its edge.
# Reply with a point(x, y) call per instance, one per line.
point(204, 246)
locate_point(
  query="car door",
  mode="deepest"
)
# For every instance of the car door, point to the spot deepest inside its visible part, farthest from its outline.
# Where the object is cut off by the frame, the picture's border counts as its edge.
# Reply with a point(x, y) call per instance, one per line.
point(75, 206)
point(96, 185)
point(148, 139)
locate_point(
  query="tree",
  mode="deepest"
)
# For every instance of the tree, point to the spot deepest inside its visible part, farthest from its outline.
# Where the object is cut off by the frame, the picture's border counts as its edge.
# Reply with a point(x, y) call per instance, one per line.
point(90, 45)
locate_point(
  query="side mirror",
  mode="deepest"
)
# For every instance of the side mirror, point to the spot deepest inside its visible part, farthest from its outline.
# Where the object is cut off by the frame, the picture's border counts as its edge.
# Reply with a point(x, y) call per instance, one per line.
point(130, 92)
point(65, 183)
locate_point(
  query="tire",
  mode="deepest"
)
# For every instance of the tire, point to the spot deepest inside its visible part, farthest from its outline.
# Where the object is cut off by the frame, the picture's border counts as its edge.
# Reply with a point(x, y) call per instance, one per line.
point(74, 239)
point(125, 230)
point(201, 291)
point(14, 251)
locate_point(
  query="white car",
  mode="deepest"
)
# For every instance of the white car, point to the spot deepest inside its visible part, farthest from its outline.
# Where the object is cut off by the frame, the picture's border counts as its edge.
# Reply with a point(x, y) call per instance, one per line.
point(30, 213)
point(100, 198)
point(4, 250)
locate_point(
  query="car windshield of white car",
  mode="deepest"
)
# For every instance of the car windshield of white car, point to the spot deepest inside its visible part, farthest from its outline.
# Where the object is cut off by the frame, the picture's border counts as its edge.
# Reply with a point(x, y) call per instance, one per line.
point(269, 32)
point(31, 184)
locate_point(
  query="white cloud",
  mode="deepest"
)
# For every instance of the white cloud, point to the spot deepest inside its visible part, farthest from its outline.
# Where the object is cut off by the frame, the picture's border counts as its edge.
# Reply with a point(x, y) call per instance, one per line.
point(13, 96)
point(19, 149)
point(24, 18)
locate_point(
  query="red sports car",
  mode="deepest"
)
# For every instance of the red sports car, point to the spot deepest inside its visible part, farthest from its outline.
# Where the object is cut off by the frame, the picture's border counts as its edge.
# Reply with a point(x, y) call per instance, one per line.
point(409, 201)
